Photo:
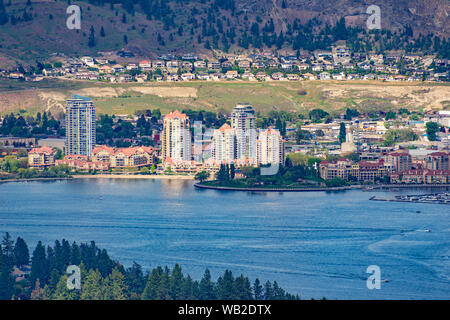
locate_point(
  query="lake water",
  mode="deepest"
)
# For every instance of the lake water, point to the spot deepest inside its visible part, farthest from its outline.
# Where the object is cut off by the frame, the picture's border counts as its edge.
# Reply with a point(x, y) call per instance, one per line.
point(314, 243)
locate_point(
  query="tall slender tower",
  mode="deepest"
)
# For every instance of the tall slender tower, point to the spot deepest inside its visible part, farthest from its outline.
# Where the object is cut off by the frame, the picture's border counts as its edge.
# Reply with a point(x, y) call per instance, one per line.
point(176, 137)
point(243, 119)
point(80, 126)
point(223, 148)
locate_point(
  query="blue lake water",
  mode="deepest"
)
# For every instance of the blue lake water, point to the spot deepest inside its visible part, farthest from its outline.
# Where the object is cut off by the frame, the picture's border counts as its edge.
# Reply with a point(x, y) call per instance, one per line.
point(315, 244)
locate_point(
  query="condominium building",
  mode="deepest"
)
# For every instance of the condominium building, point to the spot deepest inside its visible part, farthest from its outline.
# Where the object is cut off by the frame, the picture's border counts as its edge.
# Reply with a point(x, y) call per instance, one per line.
point(243, 119)
point(437, 161)
point(399, 161)
point(270, 147)
point(41, 157)
point(176, 137)
point(80, 126)
point(223, 148)
point(124, 157)
point(349, 170)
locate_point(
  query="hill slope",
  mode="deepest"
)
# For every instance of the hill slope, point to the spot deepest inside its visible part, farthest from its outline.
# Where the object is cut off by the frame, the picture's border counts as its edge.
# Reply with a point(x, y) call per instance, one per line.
point(33, 29)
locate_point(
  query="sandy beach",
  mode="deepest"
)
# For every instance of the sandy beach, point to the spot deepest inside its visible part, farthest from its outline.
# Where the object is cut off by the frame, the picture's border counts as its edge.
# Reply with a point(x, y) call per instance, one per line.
point(132, 176)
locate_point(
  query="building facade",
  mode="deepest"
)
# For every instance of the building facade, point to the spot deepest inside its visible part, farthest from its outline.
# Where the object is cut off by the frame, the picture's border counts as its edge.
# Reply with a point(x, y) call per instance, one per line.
point(243, 120)
point(124, 157)
point(223, 146)
point(41, 157)
point(80, 126)
point(270, 147)
point(176, 137)
point(399, 161)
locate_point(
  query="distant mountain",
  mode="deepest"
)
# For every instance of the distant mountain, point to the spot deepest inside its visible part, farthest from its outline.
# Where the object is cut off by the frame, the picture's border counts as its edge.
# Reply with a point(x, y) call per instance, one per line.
point(31, 30)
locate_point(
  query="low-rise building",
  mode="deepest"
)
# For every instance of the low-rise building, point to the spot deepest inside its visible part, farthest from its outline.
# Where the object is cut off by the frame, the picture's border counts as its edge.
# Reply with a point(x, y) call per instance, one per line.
point(41, 157)
point(124, 157)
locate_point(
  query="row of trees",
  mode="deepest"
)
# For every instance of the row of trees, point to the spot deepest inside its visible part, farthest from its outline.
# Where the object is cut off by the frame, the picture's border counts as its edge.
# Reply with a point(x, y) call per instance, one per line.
point(105, 279)
point(18, 126)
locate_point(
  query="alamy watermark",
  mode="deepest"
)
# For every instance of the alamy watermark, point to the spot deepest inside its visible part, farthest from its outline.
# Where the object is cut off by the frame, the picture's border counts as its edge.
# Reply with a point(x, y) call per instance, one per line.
point(74, 278)
point(374, 280)
point(74, 20)
point(374, 20)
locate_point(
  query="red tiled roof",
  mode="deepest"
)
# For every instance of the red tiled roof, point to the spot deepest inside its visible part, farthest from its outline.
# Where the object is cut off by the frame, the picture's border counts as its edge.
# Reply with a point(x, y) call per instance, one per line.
point(176, 114)
point(43, 149)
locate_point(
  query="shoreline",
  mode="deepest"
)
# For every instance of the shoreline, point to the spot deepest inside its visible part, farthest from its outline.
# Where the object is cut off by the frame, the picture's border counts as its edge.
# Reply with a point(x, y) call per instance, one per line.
point(34, 179)
point(131, 176)
point(361, 187)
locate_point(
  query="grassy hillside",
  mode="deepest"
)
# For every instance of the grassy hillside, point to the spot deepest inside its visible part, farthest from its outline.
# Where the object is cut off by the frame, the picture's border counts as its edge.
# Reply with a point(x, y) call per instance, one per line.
point(332, 96)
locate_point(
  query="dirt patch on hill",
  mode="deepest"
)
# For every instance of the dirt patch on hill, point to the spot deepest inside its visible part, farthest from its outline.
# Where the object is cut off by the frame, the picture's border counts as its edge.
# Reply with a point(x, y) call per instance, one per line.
point(168, 92)
point(427, 97)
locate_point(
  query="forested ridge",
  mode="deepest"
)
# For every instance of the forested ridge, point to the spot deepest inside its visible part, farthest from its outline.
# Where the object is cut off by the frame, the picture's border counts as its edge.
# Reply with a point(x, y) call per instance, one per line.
point(155, 26)
point(103, 278)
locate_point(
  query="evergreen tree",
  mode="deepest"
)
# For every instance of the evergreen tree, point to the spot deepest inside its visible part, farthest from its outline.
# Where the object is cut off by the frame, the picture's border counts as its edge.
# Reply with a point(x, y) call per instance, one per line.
point(92, 288)
point(176, 283)
point(207, 290)
point(62, 292)
point(225, 286)
point(135, 280)
point(21, 253)
point(116, 287)
point(3, 15)
point(152, 285)
point(258, 290)
point(102, 32)
point(39, 267)
point(91, 41)
point(7, 244)
point(342, 133)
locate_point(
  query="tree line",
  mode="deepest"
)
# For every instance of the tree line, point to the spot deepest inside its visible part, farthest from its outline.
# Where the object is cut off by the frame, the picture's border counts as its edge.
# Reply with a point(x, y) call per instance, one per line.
point(103, 278)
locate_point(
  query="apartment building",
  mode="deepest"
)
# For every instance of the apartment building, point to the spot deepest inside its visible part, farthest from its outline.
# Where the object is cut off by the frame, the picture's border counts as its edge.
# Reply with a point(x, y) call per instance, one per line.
point(41, 157)
point(80, 126)
point(270, 147)
point(124, 157)
point(437, 161)
point(243, 120)
point(399, 161)
point(176, 137)
point(224, 145)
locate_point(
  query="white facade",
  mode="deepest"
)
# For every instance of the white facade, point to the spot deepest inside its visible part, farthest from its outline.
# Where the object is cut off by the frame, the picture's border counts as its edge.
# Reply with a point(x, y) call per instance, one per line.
point(176, 137)
point(270, 147)
point(223, 148)
point(243, 120)
point(80, 126)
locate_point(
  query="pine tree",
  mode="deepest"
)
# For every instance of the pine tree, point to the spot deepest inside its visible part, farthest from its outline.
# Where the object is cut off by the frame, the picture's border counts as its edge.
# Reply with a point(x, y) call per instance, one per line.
point(62, 292)
point(92, 288)
point(225, 286)
point(342, 133)
point(39, 266)
point(115, 286)
point(152, 285)
point(176, 283)
point(7, 244)
point(3, 15)
point(207, 290)
point(21, 253)
point(258, 290)
point(102, 32)
point(268, 291)
point(91, 41)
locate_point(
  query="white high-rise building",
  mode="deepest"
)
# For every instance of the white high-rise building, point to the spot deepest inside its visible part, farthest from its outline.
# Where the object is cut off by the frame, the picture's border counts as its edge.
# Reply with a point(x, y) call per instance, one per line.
point(223, 148)
point(270, 147)
point(80, 126)
point(176, 137)
point(243, 120)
